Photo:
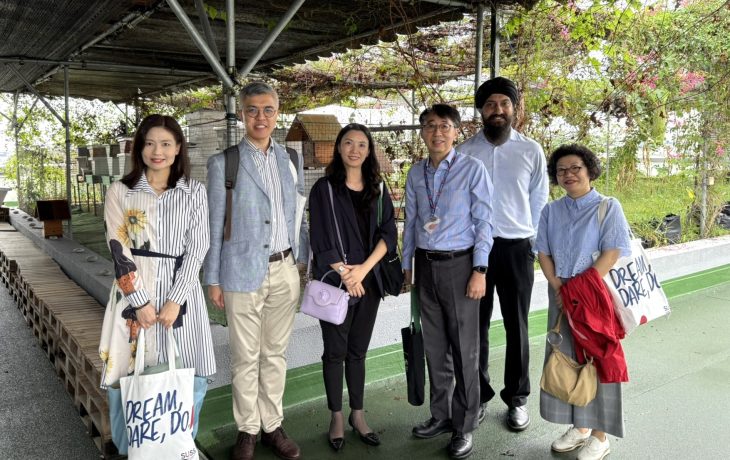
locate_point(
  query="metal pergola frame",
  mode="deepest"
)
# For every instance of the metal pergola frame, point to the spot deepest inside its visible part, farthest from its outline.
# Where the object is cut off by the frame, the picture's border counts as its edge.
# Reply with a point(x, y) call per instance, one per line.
point(228, 75)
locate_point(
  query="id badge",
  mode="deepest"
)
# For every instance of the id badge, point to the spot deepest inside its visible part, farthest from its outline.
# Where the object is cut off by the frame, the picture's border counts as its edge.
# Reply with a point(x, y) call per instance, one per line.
point(432, 224)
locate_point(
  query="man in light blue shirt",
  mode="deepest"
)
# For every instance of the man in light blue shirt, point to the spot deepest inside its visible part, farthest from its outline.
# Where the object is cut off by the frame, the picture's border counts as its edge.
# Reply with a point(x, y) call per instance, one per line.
point(516, 165)
point(448, 230)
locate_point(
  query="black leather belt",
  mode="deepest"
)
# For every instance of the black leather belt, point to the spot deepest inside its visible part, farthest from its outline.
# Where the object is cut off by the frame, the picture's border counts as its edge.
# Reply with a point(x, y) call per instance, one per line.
point(279, 255)
point(444, 255)
point(509, 240)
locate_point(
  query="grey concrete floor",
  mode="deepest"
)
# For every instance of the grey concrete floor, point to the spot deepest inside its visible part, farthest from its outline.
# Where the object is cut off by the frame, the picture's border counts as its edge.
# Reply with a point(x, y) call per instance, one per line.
point(37, 418)
point(676, 406)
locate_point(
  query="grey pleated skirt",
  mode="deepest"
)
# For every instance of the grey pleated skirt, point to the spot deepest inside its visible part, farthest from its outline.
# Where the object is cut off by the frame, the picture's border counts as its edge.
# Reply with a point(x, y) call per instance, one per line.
point(605, 413)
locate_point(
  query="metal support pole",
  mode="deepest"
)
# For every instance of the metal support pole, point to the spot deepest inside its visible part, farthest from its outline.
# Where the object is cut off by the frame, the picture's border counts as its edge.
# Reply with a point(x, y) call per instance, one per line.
point(205, 24)
point(703, 194)
point(408, 102)
point(37, 94)
point(18, 125)
point(27, 116)
point(69, 198)
point(231, 63)
point(200, 43)
point(608, 150)
point(269, 40)
point(414, 114)
point(17, 143)
point(478, 57)
point(494, 43)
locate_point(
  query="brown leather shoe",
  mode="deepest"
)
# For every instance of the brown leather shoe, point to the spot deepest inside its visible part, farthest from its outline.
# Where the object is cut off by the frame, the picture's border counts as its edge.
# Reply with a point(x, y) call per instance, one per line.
point(245, 445)
point(280, 443)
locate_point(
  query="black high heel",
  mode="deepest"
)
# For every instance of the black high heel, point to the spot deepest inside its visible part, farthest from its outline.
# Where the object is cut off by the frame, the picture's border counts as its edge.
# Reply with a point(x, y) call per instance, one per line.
point(337, 444)
point(370, 439)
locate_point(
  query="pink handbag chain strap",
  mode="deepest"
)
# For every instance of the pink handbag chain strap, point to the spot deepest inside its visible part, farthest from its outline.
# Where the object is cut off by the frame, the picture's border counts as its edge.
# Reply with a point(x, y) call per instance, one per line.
point(339, 238)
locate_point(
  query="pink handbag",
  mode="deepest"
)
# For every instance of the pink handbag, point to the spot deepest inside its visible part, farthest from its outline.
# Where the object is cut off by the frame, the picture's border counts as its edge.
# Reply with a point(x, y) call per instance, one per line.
point(321, 300)
point(325, 302)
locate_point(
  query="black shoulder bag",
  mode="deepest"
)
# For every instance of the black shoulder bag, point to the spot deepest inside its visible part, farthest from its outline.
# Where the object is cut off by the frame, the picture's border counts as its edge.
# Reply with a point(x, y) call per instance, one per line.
point(391, 272)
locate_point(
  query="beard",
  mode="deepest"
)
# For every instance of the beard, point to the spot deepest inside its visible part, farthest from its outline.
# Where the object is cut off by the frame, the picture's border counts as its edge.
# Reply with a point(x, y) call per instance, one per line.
point(496, 131)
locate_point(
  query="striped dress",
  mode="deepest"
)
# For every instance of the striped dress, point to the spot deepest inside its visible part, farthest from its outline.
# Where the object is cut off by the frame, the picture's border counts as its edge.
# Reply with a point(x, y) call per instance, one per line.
point(173, 223)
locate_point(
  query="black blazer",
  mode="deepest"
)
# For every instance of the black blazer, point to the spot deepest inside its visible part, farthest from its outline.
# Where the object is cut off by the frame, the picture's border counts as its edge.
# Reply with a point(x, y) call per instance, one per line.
point(323, 236)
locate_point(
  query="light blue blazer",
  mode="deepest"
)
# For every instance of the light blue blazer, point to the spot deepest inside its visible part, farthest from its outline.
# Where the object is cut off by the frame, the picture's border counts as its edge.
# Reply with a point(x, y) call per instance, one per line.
point(240, 264)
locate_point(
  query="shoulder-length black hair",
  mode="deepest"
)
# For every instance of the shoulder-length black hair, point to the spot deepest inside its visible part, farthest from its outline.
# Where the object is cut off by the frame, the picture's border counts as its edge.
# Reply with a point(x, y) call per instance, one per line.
point(181, 166)
point(337, 175)
point(590, 160)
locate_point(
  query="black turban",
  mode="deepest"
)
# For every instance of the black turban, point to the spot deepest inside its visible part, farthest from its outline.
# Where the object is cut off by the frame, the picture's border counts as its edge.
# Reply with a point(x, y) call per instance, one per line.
point(498, 85)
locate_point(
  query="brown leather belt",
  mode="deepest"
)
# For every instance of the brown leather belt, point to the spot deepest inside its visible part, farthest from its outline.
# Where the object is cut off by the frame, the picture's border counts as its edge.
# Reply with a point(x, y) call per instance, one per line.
point(277, 256)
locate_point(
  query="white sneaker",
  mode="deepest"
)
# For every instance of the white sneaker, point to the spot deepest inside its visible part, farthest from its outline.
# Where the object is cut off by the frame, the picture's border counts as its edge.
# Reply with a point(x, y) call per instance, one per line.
point(594, 449)
point(571, 440)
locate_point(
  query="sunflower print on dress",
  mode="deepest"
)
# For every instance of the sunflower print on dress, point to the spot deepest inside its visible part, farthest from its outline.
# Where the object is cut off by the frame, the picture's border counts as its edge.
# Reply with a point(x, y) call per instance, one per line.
point(135, 220)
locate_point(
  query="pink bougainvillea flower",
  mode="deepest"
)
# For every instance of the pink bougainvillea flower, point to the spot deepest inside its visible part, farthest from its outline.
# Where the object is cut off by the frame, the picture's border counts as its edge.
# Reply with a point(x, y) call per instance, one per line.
point(650, 82)
point(564, 33)
point(689, 81)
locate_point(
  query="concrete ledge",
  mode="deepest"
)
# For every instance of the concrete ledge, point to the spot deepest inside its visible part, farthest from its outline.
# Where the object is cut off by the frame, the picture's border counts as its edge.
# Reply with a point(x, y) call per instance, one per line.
point(670, 262)
point(88, 269)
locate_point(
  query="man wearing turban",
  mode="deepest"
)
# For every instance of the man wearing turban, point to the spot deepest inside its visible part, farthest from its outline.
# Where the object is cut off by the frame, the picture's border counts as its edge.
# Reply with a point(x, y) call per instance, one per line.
point(516, 165)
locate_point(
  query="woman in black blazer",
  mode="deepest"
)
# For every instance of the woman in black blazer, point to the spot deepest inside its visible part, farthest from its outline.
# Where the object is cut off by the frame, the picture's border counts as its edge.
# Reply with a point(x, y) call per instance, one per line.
point(354, 177)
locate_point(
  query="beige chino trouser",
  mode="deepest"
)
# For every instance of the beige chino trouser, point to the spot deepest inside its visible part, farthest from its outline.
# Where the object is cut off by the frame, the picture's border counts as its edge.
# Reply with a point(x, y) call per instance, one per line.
point(259, 326)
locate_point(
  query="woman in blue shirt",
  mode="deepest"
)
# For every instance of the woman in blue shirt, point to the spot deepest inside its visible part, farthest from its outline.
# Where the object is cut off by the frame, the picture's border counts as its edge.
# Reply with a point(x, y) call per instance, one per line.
point(568, 236)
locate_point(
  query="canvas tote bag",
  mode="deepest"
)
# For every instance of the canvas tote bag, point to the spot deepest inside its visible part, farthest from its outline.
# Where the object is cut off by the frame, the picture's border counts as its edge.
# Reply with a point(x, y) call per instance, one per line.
point(159, 409)
point(637, 294)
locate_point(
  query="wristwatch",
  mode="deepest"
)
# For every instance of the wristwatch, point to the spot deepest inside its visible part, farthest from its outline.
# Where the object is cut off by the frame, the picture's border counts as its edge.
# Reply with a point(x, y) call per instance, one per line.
point(341, 269)
point(480, 269)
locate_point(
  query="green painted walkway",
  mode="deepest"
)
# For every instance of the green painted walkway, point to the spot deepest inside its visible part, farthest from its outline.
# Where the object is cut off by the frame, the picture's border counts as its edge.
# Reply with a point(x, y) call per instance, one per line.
point(677, 404)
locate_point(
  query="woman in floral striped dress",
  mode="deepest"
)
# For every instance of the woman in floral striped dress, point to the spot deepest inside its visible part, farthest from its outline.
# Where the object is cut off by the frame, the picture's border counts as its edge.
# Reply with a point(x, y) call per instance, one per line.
point(156, 221)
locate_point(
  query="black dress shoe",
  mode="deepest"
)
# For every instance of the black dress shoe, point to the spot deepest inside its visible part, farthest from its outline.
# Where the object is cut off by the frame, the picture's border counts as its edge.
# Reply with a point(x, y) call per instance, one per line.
point(461, 445)
point(432, 428)
point(370, 439)
point(518, 418)
point(482, 412)
point(337, 444)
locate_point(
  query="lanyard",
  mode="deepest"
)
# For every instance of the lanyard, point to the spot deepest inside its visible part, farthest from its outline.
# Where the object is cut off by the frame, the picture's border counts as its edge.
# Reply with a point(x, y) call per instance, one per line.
point(432, 203)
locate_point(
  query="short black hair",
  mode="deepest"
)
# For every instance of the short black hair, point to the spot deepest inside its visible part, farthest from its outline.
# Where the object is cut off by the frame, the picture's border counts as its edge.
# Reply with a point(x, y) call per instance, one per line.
point(590, 160)
point(443, 111)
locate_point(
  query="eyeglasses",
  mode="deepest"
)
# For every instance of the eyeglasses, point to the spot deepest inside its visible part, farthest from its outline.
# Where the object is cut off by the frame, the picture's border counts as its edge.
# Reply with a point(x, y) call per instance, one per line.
point(443, 127)
point(575, 169)
point(253, 111)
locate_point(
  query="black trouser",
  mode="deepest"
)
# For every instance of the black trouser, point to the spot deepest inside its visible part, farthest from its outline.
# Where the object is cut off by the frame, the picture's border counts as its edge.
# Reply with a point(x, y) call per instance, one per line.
point(450, 325)
point(348, 343)
point(512, 272)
